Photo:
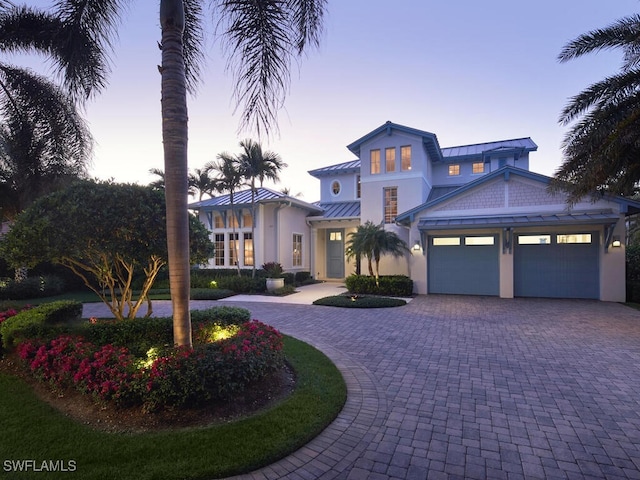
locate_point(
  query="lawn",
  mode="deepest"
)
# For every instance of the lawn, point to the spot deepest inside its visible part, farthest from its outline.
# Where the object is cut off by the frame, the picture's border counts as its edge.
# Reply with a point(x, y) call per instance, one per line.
point(31, 429)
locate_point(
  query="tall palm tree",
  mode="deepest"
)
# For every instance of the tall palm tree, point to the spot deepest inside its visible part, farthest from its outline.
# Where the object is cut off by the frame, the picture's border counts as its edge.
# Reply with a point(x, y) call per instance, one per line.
point(44, 141)
point(602, 150)
point(262, 39)
point(254, 163)
point(228, 178)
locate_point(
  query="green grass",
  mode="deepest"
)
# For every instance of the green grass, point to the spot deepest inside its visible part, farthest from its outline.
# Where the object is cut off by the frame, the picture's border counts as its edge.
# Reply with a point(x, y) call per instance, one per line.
point(359, 301)
point(31, 429)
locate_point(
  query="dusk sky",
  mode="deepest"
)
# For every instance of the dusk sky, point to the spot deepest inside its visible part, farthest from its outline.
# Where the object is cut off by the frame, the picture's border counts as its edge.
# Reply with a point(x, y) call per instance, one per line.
point(468, 71)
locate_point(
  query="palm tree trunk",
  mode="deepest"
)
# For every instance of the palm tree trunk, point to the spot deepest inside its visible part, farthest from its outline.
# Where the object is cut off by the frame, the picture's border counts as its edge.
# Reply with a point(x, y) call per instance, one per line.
point(253, 224)
point(174, 136)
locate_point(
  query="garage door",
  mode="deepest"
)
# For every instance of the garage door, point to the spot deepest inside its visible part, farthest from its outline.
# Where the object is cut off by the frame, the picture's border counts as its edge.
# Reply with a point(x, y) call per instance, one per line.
point(556, 265)
point(464, 264)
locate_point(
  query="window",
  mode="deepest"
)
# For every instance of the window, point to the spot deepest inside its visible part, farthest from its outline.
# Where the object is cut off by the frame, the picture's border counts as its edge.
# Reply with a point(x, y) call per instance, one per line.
point(574, 238)
point(233, 249)
point(358, 191)
point(335, 236)
point(454, 170)
point(375, 162)
point(477, 167)
point(218, 222)
point(479, 240)
point(534, 239)
point(390, 204)
point(405, 157)
point(297, 250)
point(247, 218)
point(218, 249)
point(248, 250)
point(232, 220)
point(335, 188)
point(446, 241)
point(390, 159)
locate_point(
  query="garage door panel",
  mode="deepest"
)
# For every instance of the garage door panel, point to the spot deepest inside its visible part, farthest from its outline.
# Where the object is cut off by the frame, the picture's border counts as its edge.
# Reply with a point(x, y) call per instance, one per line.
point(464, 269)
point(557, 270)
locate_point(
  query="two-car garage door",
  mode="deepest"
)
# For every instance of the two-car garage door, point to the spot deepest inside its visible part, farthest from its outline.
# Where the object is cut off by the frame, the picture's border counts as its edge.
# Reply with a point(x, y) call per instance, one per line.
point(561, 265)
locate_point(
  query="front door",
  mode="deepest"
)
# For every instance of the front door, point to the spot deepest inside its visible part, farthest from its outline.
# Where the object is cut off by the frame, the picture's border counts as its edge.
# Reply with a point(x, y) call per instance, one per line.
point(335, 253)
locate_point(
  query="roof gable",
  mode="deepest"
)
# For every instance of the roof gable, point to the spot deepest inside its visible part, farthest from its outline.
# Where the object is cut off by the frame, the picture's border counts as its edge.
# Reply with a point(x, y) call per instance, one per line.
point(489, 148)
point(429, 140)
point(352, 166)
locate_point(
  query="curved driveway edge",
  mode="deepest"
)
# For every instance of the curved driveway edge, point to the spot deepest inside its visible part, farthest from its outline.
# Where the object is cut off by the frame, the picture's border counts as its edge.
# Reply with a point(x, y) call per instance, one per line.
point(456, 387)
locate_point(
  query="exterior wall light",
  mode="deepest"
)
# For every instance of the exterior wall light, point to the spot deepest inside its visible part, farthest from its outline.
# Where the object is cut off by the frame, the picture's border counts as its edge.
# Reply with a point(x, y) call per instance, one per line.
point(416, 246)
point(616, 242)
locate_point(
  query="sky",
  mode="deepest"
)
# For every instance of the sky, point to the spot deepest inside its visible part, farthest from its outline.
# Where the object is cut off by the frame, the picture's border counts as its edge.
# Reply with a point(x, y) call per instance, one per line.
point(467, 71)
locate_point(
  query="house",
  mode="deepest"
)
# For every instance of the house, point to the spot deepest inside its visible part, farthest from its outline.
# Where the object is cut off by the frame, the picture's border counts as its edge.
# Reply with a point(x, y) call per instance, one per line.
point(478, 221)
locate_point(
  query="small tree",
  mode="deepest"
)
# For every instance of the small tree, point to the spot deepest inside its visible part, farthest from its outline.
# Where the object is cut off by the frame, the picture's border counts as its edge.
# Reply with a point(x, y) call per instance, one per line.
point(104, 233)
point(373, 241)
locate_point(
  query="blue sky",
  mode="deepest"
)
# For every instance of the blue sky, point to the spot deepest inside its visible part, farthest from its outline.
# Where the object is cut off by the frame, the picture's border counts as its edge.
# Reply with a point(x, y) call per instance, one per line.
point(468, 71)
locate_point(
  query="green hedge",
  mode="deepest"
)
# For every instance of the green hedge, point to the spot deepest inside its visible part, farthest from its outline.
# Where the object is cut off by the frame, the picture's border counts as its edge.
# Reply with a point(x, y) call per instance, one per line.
point(393, 285)
point(32, 287)
point(42, 321)
point(357, 301)
point(140, 334)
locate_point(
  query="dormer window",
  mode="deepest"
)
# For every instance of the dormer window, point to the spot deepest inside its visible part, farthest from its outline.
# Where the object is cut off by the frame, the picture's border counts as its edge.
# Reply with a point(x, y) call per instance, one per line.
point(335, 188)
point(390, 159)
point(405, 158)
point(375, 162)
point(454, 170)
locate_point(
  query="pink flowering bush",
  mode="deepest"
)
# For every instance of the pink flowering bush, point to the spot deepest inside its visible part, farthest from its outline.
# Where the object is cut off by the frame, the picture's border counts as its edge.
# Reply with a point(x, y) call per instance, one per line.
point(168, 377)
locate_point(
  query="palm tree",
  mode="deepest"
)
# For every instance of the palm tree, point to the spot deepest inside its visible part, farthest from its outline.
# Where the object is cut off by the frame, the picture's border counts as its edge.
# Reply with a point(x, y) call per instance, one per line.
point(373, 241)
point(602, 150)
point(262, 40)
point(228, 178)
point(201, 182)
point(254, 163)
point(44, 141)
point(157, 184)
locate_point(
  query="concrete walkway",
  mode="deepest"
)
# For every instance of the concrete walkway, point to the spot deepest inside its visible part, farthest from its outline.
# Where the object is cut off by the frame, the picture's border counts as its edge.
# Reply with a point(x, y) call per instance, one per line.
point(457, 387)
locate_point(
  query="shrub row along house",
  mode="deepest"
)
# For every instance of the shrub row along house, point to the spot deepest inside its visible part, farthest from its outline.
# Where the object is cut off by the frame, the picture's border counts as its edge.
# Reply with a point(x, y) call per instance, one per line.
point(477, 220)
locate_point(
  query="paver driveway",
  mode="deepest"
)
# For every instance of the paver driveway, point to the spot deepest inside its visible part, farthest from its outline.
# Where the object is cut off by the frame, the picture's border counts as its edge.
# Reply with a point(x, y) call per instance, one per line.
point(474, 387)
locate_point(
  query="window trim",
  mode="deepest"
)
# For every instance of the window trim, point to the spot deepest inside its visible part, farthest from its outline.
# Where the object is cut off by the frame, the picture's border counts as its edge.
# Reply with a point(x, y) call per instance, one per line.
point(296, 257)
point(388, 160)
point(404, 148)
point(339, 184)
point(454, 167)
point(390, 210)
point(377, 153)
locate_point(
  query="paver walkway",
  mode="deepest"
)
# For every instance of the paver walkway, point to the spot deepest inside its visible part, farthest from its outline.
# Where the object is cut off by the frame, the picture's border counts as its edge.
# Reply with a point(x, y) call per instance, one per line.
point(473, 388)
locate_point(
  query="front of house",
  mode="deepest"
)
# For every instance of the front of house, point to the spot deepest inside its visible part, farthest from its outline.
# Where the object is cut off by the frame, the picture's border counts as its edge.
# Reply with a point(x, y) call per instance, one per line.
point(477, 220)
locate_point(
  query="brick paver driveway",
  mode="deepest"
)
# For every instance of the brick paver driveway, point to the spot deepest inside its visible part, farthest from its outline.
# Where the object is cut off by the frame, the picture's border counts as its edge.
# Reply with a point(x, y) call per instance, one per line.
point(474, 387)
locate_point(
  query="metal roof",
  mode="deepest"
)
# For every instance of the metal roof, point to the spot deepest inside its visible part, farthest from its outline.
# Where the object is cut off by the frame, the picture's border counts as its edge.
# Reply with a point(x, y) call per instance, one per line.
point(243, 198)
point(578, 218)
point(332, 211)
point(352, 166)
point(439, 191)
point(478, 149)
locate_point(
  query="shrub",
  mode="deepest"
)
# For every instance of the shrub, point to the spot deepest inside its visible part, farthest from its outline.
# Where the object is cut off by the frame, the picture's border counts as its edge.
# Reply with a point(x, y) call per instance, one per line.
point(289, 278)
point(242, 284)
point(222, 315)
point(210, 293)
point(40, 321)
point(359, 301)
point(302, 277)
point(272, 269)
point(32, 287)
point(394, 285)
point(167, 377)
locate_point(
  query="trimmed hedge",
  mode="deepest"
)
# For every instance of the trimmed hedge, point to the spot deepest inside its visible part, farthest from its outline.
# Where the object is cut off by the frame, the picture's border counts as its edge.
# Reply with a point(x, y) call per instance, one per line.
point(392, 285)
point(32, 287)
point(41, 321)
point(357, 301)
point(140, 334)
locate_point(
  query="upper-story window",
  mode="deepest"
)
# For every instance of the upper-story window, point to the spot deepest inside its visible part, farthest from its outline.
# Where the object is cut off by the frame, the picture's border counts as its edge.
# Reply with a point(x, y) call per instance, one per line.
point(390, 204)
point(335, 188)
point(477, 167)
point(454, 170)
point(358, 186)
point(390, 159)
point(247, 218)
point(232, 220)
point(405, 157)
point(375, 162)
point(218, 221)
